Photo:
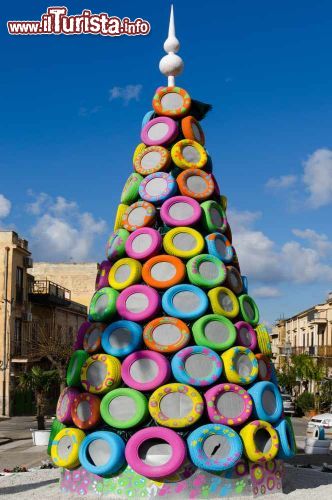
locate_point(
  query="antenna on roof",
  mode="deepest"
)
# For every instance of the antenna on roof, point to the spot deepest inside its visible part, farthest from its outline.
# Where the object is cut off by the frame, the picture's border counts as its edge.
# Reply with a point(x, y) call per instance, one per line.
point(172, 64)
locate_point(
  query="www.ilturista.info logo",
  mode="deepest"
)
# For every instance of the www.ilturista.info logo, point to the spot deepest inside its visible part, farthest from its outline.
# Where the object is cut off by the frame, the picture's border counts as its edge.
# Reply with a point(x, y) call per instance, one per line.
point(57, 22)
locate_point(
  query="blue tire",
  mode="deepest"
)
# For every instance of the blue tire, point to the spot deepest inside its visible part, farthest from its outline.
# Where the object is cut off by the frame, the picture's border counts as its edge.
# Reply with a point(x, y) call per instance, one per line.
point(129, 341)
point(245, 284)
point(200, 302)
point(181, 373)
point(219, 246)
point(287, 444)
point(267, 401)
point(199, 447)
point(147, 117)
point(115, 460)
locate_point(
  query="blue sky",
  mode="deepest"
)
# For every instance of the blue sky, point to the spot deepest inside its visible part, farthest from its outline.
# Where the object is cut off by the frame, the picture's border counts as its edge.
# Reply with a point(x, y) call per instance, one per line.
point(66, 147)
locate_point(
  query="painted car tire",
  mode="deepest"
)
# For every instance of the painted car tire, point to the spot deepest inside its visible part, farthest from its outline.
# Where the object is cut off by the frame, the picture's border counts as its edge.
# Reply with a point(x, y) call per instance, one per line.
point(183, 201)
point(160, 361)
point(139, 149)
point(140, 402)
point(192, 130)
point(263, 340)
point(251, 451)
point(196, 441)
point(213, 216)
point(179, 159)
point(56, 427)
point(130, 190)
point(199, 332)
point(287, 444)
point(169, 132)
point(223, 202)
point(181, 374)
point(77, 360)
point(257, 394)
point(175, 323)
point(172, 266)
point(144, 220)
point(176, 112)
point(111, 368)
point(102, 275)
point(245, 283)
point(246, 335)
point(195, 271)
point(115, 247)
point(104, 314)
point(146, 162)
point(143, 314)
point(264, 367)
point(92, 338)
point(234, 280)
point(147, 117)
point(170, 467)
point(121, 210)
point(213, 395)
point(75, 436)
point(117, 456)
point(229, 358)
point(78, 344)
point(134, 276)
point(204, 189)
point(219, 246)
point(133, 343)
point(247, 300)
point(65, 401)
point(155, 242)
point(193, 236)
point(190, 418)
point(168, 188)
point(94, 409)
point(172, 310)
point(228, 300)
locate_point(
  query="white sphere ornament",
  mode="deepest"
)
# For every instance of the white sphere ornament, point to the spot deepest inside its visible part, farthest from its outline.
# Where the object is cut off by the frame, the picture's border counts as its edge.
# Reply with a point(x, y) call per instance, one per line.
point(171, 65)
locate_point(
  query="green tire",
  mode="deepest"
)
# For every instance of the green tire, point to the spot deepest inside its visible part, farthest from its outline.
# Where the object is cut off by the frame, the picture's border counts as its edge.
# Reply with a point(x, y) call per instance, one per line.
point(130, 191)
point(206, 271)
point(76, 362)
point(214, 331)
point(141, 408)
point(213, 216)
point(56, 427)
point(248, 309)
point(103, 313)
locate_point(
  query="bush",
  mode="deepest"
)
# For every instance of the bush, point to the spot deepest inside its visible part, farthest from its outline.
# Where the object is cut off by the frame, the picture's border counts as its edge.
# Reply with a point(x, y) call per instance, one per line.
point(305, 402)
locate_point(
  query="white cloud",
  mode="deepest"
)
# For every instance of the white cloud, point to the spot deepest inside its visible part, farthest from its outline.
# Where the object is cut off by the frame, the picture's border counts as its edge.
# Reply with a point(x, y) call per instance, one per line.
point(282, 182)
point(126, 94)
point(266, 292)
point(40, 200)
point(5, 207)
point(316, 240)
point(318, 177)
point(85, 111)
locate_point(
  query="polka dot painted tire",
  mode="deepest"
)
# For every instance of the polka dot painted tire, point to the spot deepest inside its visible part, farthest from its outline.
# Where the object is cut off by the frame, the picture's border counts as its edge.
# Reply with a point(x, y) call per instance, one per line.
point(171, 101)
point(103, 305)
point(65, 448)
point(213, 216)
point(159, 131)
point(130, 191)
point(124, 408)
point(240, 365)
point(85, 411)
point(115, 247)
point(121, 210)
point(138, 303)
point(102, 274)
point(102, 453)
point(176, 405)
point(203, 442)
point(77, 360)
point(224, 301)
point(151, 160)
point(139, 214)
point(158, 187)
point(214, 331)
point(268, 405)
point(260, 441)
point(125, 272)
point(185, 302)
point(287, 444)
point(145, 370)
point(219, 246)
point(198, 366)
point(166, 334)
point(246, 335)
point(121, 338)
point(206, 271)
point(228, 404)
point(264, 367)
point(101, 373)
point(183, 242)
point(189, 154)
point(192, 130)
point(180, 211)
point(143, 243)
point(163, 271)
point(65, 401)
point(139, 148)
point(248, 309)
point(196, 184)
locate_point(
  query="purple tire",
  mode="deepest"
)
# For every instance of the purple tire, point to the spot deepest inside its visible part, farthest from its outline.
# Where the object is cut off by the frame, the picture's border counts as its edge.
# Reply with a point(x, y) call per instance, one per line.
point(65, 403)
point(246, 335)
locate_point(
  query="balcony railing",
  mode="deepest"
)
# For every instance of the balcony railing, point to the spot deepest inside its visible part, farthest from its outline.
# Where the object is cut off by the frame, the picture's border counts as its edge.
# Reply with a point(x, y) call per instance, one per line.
point(324, 351)
point(41, 290)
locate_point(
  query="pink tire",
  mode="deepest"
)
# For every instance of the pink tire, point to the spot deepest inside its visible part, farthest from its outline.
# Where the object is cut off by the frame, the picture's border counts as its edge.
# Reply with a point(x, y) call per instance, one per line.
point(246, 335)
point(65, 403)
point(138, 303)
point(168, 130)
point(145, 370)
point(156, 471)
point(217, 409)
point(143, 243)
point(78, 344)
point(187, 213)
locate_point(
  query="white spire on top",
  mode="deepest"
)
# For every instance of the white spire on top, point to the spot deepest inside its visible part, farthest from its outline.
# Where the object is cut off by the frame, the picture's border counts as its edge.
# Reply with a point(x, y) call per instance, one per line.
point(171, 65)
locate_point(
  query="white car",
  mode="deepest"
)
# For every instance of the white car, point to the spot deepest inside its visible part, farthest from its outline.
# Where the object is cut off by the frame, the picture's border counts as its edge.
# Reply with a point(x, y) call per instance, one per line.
point(324, 420)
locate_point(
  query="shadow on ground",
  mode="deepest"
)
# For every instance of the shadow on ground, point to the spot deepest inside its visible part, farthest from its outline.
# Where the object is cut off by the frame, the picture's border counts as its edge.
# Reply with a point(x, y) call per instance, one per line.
point(18, 488)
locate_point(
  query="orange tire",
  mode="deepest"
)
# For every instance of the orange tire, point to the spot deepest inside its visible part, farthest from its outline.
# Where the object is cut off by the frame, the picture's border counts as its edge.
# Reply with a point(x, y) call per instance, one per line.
point(192, 130)
point(168, 340)
point(151, 160)
point(204, 187)
point(145, 216)
point(163, 271)
point(163, 107)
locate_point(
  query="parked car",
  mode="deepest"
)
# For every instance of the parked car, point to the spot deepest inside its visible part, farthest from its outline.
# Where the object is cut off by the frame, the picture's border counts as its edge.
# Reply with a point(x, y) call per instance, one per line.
point(289, 407)
point(323, 420)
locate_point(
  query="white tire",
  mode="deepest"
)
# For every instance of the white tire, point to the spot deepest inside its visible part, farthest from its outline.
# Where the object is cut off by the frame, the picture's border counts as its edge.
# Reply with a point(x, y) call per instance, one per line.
point(316, 450)
point(320, 443)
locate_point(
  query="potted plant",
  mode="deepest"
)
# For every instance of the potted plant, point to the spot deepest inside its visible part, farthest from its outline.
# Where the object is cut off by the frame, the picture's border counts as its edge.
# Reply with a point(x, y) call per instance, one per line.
point(306, 403)
point(39, 381)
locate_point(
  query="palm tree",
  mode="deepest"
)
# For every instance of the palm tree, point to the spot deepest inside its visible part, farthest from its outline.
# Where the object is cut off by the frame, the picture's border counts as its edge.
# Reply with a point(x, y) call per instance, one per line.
point(38, 381)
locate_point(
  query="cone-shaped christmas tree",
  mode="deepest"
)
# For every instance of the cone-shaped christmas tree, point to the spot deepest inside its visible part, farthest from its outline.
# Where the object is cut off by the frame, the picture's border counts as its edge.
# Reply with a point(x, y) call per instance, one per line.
point(173, 366)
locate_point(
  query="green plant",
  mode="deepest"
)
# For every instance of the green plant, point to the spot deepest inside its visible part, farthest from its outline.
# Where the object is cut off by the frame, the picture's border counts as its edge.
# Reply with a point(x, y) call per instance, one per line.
point(39, 381)
point(305, 401)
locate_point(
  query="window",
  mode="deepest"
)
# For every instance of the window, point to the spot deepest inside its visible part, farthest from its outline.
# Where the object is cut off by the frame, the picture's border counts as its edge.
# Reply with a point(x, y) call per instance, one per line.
point(19, 285)
point(18, 336)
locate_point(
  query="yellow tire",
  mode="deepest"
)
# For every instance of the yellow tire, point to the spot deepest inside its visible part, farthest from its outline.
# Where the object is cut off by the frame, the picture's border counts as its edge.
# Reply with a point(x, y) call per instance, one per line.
point(138, 150)
point(125, 272)
point(183, 393)
point(65, 447)
point(106, 375)
point(196, 157)
point(224, 301)
point(183, 242)
point(119, 214)
point(250, 444)
point(263, 340)
point(240, 365)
